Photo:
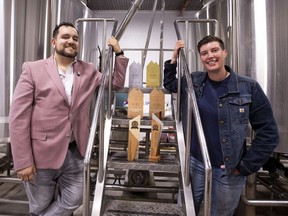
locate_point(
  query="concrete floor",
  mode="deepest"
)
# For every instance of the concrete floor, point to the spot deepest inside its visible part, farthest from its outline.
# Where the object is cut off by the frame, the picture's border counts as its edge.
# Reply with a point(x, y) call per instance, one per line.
point(13, 199)
point(16, 192)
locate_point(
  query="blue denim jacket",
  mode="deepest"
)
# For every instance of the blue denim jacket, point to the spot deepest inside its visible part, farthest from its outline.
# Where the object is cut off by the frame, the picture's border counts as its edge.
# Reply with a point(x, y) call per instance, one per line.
point(244, 103)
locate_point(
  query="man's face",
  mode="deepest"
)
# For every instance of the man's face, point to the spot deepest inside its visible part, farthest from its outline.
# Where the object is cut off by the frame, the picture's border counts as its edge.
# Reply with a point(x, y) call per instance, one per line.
point(212, 56)
point(66, 43)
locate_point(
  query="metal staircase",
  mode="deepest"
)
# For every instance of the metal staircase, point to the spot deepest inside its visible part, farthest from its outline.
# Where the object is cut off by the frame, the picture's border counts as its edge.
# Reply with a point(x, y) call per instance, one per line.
point(139, 187)
point(142, 187)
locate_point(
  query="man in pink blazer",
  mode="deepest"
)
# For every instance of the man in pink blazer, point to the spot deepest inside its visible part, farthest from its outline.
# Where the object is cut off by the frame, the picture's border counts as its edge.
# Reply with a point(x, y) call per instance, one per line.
point(49, 122)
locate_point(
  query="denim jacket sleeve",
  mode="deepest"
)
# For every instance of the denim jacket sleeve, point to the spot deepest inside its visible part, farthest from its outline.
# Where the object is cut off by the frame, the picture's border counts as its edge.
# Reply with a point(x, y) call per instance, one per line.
point(170, 80)
point(266, 132)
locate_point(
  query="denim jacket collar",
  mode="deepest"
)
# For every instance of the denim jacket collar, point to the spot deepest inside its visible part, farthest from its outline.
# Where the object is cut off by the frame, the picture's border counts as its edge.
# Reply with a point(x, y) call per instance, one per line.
point(233, 87)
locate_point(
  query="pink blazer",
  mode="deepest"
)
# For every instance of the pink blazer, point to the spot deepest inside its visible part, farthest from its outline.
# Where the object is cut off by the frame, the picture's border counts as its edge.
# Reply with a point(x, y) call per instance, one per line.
point(41, 119)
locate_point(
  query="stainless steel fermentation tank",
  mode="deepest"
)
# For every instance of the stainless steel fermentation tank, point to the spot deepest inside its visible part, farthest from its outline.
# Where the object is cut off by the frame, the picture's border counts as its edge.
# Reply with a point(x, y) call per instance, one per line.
point(27, 27)
point(255, 33)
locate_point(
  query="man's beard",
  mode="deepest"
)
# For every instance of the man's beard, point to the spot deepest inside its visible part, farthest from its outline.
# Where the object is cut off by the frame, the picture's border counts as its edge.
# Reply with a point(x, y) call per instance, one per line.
point(66, 54)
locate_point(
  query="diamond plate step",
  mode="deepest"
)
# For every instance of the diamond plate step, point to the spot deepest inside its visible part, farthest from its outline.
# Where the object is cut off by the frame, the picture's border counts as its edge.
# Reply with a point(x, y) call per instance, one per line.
point(168, 163)
point(136, 208)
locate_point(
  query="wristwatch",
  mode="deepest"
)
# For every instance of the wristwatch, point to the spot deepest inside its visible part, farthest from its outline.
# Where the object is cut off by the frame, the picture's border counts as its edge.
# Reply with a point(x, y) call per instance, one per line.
point(119, 53)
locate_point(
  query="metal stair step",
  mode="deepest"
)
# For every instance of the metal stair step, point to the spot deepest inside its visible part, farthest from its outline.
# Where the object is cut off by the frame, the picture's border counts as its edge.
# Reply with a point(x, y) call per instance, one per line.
point(136, 208)
point(145, 121)
point(167, 163)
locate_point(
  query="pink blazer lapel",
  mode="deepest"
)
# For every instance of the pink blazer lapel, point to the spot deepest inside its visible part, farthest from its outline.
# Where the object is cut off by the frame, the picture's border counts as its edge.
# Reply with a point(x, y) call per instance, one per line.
point(52, 70)
point(77, 81)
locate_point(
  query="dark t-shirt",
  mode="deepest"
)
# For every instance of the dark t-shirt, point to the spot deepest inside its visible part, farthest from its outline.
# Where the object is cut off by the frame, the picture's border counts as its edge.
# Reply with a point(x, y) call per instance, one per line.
point(208, 109)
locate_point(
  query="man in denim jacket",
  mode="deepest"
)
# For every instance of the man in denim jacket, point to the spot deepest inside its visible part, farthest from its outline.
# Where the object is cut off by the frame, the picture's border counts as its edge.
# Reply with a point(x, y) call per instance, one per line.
point(227, 103)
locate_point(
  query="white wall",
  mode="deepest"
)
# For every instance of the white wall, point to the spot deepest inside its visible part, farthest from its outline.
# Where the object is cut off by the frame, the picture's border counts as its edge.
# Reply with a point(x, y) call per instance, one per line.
point(136, 33)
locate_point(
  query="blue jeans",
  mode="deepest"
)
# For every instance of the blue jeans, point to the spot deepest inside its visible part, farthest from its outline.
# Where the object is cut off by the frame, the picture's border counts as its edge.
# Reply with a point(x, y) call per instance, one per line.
point(66, 183)
point(226, 189)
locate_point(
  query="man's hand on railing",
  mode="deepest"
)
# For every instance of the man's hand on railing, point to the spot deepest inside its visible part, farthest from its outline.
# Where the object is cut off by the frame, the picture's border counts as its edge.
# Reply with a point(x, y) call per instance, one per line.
point(113, 42)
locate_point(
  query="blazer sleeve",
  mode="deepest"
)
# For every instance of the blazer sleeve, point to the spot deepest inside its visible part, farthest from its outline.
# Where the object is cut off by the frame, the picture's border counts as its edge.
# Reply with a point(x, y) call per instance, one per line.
point(19, 120)
point(119, 74)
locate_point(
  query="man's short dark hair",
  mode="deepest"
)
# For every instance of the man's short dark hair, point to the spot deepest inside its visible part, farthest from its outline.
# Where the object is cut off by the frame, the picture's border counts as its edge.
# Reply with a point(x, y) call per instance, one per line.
point(208, 39)
point(57, 27)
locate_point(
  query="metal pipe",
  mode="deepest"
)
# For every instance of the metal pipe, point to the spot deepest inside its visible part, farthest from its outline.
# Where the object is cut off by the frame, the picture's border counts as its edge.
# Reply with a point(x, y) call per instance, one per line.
point(178, 106)
point(234, 42)
point(142, 189)
point(188, 139)
point(149, 34)
point(11, 180)
point(186, 48)
point(100, 175)
point(187, 193)
point(12, 49)
point(150, 49)
point(99, 187)
point(248, 196)
point(191, 20)
point(161, 43)
point(283, 203)
point(81, 20)
point(109, 111)
point(131, 12)
point(9, 201)
point(47, 32)
point(109, 61)
point(250, 193)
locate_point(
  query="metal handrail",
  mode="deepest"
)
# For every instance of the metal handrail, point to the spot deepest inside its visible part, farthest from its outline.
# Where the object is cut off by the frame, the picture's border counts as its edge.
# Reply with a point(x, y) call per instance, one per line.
point(97, 108)
point(192, 104)
point(188, 137)
point(131, 12)
point(106, 75)
point(161, 61)
point(149, 34)
point(145, 50)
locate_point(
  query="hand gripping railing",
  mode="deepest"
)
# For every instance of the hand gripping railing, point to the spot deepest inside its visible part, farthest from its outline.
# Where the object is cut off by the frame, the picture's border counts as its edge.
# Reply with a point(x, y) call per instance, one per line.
point(193, 108)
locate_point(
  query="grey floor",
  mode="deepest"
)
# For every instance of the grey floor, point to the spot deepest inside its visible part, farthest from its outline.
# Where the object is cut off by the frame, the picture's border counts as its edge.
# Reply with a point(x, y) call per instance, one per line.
point(18, 203)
